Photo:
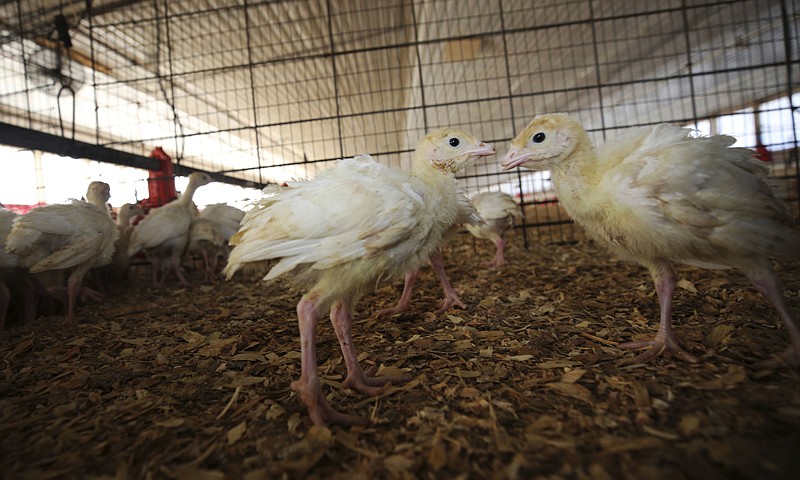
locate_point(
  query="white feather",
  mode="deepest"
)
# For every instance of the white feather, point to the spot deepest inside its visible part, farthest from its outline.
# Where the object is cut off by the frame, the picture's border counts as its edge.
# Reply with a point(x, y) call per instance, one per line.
point(353, 225)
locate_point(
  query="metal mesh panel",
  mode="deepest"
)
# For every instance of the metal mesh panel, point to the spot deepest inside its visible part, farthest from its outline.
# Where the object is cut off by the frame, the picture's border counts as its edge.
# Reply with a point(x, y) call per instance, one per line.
point(272, 90)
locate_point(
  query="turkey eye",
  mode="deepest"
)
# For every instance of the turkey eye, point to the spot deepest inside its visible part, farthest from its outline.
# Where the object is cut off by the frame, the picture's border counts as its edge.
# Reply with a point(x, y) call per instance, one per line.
point(454, 142)
point(538, 138)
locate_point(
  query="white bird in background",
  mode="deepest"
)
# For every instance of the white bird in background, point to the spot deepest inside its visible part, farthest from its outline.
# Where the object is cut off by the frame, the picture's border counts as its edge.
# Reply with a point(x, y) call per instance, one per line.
point(164, 233)
point(120, 262)
point(73, 238)
point(492, 215)
point(206, 240)
point(498, 210)
point(225, 217)
point(126, 214)
point(467, 215)
point(342, 233)
point(658, 196)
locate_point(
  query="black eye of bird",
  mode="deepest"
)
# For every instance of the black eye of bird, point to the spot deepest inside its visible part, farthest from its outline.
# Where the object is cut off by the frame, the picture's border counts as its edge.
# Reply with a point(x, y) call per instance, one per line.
point(454, 142)
point(539, 137)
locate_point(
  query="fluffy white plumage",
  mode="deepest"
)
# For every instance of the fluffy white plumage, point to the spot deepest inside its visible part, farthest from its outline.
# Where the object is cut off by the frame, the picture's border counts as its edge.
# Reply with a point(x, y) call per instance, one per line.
point(164, 233)
point(72, 237)
point(379, 226)
point(225, 217)
point(498, 210)
point(659, 196)
point(343, 232)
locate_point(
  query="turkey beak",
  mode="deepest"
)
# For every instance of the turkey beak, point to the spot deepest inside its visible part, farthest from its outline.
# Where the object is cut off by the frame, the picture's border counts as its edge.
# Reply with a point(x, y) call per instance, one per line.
point(514, 159)
point(482, 150)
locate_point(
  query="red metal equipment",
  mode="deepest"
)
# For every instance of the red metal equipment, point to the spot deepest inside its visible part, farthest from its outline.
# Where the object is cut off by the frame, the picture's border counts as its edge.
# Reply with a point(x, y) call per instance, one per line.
point(161, 183)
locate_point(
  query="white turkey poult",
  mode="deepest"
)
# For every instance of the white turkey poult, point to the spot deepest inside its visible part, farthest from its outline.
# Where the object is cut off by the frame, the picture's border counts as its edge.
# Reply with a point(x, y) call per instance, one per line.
point(451, 298)
point(225, 219)
point(498, 210)
point(224, 216)
point(164, 233)
point(206, 240)
point(353, 226)
point(121, 262)
point(70, 238)
point(660, 197)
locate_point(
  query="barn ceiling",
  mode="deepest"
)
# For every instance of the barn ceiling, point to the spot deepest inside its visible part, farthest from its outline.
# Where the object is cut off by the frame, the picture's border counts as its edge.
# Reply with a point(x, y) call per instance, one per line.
point(289, 86)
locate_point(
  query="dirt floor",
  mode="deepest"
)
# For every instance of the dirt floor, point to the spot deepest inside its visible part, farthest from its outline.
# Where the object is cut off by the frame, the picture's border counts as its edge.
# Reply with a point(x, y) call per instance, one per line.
point(193, 383)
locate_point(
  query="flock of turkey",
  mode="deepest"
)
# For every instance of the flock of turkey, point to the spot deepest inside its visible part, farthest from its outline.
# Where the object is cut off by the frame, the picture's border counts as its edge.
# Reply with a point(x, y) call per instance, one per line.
point(655, 195)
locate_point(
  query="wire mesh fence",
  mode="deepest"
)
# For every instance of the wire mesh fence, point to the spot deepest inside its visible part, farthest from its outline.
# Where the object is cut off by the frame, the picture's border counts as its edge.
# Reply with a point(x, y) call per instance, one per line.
point(267, 91)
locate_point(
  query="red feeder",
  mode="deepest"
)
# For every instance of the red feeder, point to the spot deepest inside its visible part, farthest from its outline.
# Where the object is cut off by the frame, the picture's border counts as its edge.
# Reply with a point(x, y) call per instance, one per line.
point(161, 182)
point(763, 154)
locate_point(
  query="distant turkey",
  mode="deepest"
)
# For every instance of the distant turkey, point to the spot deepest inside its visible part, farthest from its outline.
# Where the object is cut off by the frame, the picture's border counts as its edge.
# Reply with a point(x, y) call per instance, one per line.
point(66, 238)
point(498, 210)
point(206, 240)
point(120, 262)
point(225, 217)
point(164, 233)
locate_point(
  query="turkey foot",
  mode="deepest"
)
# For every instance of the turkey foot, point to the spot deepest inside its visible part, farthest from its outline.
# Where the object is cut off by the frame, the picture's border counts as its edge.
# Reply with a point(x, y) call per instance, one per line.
point(370, 385)
point(404, 304)
point(659, 345)
point(318, 409)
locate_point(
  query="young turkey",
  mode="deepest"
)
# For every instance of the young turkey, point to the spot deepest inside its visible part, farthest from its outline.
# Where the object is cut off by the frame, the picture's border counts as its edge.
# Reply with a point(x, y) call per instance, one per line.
point(498, 210)
point(659, 196)
point(70, 238)
point(164, 233)
point(353, 226)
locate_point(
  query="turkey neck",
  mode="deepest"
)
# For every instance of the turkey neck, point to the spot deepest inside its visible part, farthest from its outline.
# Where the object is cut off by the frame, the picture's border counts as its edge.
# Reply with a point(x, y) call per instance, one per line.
point(573, 173)
point(124, 219)
point(186, 198)
point(96, 200)
point(432, 176)
point(423, 169)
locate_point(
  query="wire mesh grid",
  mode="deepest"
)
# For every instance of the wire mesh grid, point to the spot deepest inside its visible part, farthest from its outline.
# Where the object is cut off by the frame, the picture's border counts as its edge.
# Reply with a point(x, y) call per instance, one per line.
point(272, 90)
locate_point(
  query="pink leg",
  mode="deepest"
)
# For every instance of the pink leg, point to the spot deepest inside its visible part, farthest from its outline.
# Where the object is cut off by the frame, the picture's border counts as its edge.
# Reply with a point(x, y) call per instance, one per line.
point(451, 297)
point(213, 266)
point(209, 271)
point(356, 379)
point(664, 278)
point(308, 386)
point(73, 288)
point(86, 293)
point(767, 283)
point(499, 258)
point(175, 260)
point(403, 305)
